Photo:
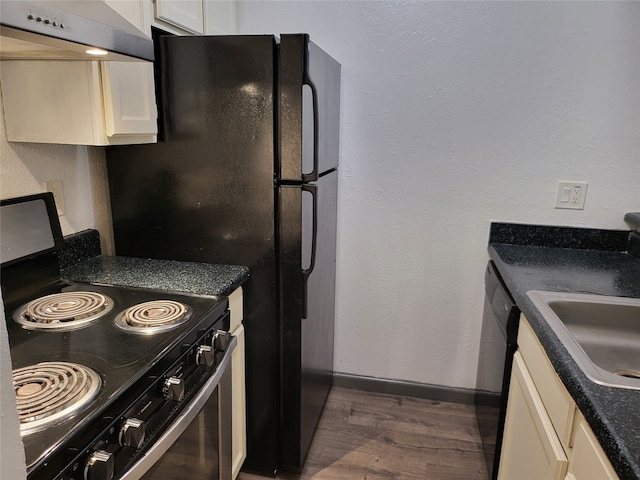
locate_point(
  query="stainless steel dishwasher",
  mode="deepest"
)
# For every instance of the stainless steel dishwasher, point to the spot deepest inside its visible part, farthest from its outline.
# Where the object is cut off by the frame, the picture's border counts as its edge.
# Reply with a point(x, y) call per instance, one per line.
point(498, 343)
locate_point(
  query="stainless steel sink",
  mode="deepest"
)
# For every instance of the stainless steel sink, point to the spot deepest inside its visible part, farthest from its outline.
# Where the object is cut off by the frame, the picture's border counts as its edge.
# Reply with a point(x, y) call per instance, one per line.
point(601, 333)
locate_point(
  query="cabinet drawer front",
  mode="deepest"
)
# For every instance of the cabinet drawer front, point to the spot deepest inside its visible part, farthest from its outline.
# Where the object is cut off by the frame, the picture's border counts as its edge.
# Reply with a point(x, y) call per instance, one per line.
point(530, 447)
point(557, 401)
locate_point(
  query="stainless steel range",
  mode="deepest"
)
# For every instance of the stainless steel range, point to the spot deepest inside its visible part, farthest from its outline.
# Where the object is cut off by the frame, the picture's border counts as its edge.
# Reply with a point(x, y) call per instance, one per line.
point(107, 378)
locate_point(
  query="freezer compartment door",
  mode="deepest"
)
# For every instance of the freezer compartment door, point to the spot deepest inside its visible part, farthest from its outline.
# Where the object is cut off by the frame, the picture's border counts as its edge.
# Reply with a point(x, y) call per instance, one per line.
point(307, 302)
point(309, 119)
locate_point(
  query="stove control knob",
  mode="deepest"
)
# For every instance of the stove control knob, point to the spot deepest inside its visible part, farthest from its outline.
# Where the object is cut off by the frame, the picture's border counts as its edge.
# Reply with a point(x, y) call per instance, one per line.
point(173, 389)
point(220, 340)
point(100, 466)
point(132, 433)
point(205, 356)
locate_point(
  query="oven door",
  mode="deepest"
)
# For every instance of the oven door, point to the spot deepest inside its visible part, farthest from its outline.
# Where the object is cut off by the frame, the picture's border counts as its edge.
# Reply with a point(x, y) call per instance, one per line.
point(198, 442)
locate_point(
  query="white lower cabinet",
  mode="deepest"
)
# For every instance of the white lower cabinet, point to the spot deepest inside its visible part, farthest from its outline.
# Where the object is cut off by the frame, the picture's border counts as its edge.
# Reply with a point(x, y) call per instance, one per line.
point(239, 419)
point(588, 460)
point(545, 435)
point(530, 449)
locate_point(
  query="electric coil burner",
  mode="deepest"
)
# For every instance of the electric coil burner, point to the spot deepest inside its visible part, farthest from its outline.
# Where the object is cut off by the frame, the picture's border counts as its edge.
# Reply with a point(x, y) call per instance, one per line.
point(63, 311)
point(152, 317)
point(49, 392)
point(95, 396)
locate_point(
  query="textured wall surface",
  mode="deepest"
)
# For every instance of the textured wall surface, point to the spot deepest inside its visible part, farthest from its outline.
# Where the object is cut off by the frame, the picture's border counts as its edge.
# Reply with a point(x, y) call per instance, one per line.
point(25, 167)
point(455, 114)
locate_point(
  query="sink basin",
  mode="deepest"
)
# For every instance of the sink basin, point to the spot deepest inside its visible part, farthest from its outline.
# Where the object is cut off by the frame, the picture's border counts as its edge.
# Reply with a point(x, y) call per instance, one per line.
point(601, 333)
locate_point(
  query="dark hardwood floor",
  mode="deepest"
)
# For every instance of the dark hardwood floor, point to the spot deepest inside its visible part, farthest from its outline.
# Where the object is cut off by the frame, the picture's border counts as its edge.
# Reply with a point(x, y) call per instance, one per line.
point(375, 436)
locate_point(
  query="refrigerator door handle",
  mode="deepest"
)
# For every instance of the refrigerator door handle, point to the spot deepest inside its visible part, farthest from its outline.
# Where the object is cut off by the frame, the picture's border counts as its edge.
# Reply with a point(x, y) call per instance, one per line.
point(313, 190)
point(313, 175)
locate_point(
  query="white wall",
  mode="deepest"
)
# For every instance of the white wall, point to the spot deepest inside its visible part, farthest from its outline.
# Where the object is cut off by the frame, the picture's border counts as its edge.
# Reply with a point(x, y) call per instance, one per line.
point(25, 167)
point(455, 114)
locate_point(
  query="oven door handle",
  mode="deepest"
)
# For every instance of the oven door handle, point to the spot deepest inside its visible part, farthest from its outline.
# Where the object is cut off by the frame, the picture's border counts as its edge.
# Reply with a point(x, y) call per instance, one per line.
point(180, 424)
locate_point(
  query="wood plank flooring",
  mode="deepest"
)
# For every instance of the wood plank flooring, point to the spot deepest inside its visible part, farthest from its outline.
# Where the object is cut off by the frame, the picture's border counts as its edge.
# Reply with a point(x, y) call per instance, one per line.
point(373, 436)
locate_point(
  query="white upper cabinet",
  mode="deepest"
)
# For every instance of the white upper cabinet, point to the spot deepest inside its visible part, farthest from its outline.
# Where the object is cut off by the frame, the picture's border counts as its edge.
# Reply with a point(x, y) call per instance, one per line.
point(132, 11)
point(180, 17)
point(185, 14)
point(208, 17)
point(80, 103)
point(129, 99)
point(102, 103)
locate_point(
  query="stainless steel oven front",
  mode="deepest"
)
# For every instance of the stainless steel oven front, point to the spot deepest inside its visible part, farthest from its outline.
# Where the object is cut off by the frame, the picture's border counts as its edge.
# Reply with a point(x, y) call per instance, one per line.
point(198, 442)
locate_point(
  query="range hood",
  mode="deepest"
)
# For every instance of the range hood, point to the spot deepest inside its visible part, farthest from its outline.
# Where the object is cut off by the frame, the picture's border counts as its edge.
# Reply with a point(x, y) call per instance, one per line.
point(65, 30)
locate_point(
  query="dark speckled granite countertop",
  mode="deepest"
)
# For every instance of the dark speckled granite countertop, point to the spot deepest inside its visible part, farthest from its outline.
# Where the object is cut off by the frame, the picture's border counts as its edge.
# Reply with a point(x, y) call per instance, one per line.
point(80, 261)
point(168, 275)
point(565, 260)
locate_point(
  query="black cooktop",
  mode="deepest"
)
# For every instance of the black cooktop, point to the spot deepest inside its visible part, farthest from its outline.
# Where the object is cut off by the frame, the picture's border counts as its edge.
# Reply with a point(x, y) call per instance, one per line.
point(119, 357)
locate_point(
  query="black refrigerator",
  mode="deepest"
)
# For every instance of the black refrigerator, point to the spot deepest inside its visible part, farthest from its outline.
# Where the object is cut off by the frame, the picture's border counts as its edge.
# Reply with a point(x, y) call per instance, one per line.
point(246, 172)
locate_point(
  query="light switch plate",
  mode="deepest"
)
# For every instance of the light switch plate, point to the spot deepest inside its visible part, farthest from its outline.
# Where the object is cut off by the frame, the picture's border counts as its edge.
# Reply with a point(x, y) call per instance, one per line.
point(571, 195)
point(55, 187)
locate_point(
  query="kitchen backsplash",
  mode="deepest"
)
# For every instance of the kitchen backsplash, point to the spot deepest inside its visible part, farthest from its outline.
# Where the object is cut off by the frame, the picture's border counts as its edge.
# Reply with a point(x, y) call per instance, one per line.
point(79, 247)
